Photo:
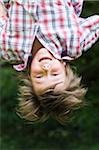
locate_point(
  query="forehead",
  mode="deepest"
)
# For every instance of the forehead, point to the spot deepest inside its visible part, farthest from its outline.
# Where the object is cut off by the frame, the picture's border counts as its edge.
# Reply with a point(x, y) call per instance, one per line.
point(58, 86)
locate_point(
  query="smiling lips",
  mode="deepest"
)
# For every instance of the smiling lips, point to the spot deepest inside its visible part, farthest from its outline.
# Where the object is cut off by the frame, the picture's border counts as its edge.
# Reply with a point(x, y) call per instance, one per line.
point(45, 58)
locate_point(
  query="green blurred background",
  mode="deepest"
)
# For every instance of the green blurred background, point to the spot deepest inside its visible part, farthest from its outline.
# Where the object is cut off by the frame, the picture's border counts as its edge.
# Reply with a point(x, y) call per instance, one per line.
point(81, 133)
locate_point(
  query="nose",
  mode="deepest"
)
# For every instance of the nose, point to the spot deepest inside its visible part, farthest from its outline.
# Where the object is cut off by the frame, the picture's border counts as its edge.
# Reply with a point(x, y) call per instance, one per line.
point(46, 66)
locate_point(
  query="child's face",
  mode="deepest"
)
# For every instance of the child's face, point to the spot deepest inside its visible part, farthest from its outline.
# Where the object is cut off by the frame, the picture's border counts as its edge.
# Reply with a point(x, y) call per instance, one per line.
point(47, 73)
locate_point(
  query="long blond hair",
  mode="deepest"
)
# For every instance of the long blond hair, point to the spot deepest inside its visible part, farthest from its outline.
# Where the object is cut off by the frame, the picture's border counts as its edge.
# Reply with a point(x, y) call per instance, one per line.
point(38, 109)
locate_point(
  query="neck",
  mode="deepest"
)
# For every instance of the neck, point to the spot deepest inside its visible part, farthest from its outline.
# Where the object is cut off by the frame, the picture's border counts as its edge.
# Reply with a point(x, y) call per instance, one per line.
point(36, 46)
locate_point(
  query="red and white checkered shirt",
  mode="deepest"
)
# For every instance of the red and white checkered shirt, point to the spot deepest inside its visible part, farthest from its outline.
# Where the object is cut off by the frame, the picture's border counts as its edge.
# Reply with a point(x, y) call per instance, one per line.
point(56, 24)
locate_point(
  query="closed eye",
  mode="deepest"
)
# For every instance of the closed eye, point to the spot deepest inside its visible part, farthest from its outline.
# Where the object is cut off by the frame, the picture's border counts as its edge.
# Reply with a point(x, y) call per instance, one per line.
point(39, 76)
point(55, 74)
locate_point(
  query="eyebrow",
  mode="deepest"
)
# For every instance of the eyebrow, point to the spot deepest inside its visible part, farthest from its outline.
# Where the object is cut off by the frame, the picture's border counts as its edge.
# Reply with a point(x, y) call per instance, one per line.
point(51, 88)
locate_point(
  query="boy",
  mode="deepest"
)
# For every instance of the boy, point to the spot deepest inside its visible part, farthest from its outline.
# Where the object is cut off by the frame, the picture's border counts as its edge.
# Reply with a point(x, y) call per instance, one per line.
point(50, 32)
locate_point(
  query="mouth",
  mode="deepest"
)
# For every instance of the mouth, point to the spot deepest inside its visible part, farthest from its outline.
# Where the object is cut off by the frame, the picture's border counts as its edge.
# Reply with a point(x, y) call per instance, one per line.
point(44, 58)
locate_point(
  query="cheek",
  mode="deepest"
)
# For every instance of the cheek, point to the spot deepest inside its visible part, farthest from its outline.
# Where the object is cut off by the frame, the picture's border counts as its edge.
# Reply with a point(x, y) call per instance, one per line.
point(35, 69)
point(59, 65)
point(33, 65)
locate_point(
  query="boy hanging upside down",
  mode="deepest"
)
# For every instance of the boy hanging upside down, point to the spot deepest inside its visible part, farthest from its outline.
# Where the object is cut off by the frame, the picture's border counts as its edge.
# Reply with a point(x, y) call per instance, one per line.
point(42, 37)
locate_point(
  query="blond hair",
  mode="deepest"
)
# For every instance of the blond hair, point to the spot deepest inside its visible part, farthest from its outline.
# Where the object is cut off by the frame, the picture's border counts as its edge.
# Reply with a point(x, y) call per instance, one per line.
point(60, 105)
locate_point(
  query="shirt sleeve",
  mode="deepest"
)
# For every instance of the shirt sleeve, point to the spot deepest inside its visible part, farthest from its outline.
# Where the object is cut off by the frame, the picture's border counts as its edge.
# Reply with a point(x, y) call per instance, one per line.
point(77, 5)
point(3, 20)
point(90, 31)
point(17, 34)
point(8, 34)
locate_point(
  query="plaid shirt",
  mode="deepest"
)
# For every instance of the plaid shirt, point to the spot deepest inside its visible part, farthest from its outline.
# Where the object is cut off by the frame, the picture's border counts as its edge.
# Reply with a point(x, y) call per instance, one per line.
point(56, 24)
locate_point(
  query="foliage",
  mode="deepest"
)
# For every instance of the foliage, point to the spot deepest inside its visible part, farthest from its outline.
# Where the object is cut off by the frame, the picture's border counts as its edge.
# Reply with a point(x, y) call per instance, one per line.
point(81, 133)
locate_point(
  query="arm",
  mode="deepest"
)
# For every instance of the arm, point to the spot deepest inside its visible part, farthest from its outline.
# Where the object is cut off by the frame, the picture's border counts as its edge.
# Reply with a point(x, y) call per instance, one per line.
point(16, 34)
point(84, 32)
point(89, 27)
point(90, 31)
point(3, 18)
